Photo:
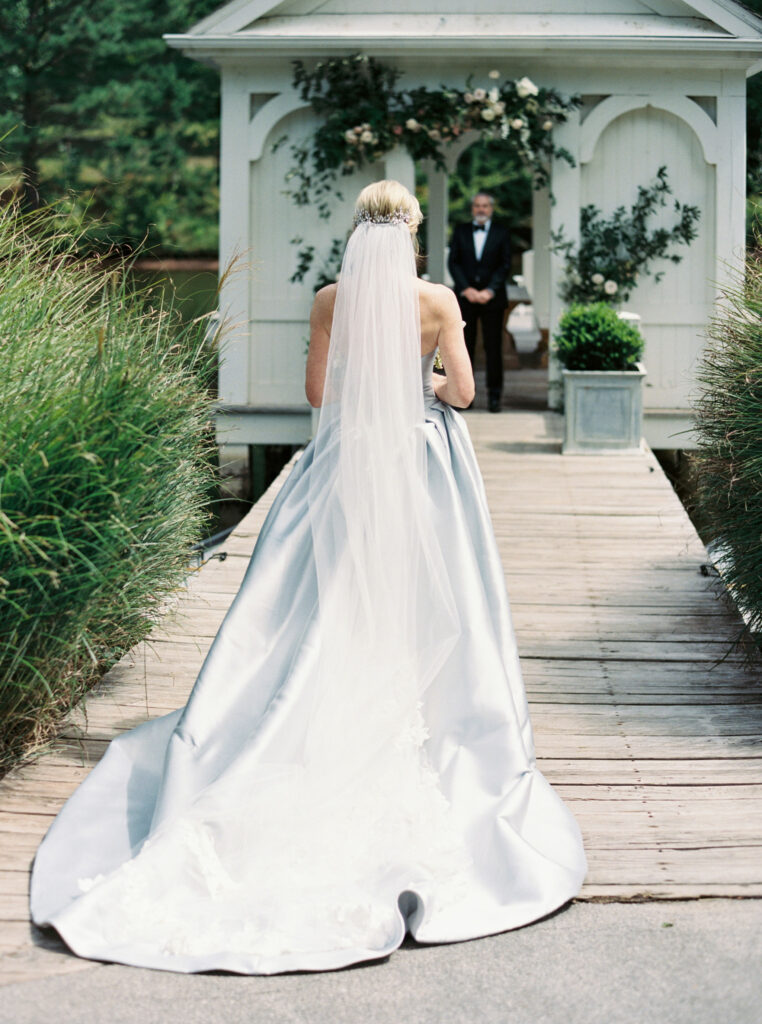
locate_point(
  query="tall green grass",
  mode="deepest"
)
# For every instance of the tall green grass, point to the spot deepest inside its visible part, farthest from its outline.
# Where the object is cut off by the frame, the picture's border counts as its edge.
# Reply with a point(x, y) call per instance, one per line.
point(106, 467)
point(727, 467)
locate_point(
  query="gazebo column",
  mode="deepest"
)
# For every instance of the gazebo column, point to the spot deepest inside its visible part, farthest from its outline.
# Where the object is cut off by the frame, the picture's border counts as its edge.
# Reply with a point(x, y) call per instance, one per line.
point(565, 186)
point(540, 290)
point(436, 223)
point(234, 233)
point(730, 181)
point(400, 166)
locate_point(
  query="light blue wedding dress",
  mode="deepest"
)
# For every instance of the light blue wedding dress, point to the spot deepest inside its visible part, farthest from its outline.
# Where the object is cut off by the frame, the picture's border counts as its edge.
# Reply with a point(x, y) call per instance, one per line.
point(188, 848)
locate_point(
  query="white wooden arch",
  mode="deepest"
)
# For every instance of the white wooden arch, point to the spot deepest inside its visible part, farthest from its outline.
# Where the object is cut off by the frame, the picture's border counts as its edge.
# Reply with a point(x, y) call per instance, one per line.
point(268, 116)
point(612, 107)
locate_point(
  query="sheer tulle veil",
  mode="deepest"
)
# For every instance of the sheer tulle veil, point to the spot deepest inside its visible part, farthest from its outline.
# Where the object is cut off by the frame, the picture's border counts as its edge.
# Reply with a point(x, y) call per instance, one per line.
point(385, 619)
point(387, 614)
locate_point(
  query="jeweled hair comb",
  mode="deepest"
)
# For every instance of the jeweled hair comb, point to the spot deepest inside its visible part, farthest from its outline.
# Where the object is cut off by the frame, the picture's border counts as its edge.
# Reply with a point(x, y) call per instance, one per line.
point(396, 217)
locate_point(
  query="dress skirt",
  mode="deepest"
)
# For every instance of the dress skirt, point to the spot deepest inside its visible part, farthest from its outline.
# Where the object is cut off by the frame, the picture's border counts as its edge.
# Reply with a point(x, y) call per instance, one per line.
point(187, 849)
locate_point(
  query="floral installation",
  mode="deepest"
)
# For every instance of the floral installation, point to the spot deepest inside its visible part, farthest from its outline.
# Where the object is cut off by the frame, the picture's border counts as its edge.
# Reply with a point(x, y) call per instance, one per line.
point(363, 116)
point(613, 252)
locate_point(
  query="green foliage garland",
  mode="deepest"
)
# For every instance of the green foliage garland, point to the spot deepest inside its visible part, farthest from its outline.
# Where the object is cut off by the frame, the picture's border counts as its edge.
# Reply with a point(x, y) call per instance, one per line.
point(363, 116)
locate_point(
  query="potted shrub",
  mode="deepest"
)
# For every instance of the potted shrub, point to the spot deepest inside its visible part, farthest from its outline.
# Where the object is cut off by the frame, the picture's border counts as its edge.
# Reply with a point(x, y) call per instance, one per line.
point(599, 351)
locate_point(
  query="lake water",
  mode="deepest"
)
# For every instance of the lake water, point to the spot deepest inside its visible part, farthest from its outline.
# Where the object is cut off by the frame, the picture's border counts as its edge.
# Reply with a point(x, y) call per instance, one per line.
point(193, 291)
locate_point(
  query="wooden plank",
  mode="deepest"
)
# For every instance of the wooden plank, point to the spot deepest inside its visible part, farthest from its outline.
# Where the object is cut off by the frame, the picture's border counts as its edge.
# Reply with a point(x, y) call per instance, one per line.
point(646, 722)
point(725, 772)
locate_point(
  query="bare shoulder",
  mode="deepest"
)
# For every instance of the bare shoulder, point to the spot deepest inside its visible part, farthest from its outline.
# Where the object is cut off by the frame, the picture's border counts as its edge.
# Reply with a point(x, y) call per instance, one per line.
point(440, 300)
point(323, 303)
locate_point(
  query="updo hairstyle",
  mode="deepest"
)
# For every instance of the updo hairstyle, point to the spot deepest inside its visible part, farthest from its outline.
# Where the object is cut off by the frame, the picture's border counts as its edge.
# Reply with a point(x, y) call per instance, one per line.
point(383, 199)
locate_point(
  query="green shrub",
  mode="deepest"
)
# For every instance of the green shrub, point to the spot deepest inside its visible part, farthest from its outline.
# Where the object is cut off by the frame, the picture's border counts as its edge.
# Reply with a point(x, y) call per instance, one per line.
point(106, 465)
point(727, 465)
point(592, 337)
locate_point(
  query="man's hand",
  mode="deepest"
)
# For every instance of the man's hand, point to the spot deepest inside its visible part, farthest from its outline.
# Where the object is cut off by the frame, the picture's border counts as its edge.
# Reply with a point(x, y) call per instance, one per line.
point(478, 297)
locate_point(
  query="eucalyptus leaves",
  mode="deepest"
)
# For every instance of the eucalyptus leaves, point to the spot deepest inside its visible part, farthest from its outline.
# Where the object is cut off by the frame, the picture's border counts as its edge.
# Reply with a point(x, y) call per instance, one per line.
point(364, 115)
point(613, 252)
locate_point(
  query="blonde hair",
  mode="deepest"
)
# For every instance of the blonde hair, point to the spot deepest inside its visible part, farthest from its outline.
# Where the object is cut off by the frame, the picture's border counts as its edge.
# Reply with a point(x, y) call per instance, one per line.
point(383, 199)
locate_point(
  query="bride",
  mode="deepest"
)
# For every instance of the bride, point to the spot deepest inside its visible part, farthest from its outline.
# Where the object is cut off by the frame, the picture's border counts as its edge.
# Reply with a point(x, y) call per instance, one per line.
point(356, 759)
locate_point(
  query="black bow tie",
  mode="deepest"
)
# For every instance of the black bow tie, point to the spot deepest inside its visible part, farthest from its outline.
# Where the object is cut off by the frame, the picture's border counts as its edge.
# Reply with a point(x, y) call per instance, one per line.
point(480, 227)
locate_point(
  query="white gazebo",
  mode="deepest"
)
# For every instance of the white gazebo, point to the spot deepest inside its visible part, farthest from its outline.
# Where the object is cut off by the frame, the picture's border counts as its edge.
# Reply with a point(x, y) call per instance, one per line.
point(663, 82)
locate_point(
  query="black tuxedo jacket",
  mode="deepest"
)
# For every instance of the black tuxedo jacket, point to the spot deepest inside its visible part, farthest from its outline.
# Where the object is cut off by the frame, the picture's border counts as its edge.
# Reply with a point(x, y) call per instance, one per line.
point(491, 270)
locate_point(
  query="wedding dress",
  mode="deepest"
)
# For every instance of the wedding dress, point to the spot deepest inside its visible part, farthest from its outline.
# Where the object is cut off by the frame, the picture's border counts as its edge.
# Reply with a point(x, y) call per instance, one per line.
point(356, 757)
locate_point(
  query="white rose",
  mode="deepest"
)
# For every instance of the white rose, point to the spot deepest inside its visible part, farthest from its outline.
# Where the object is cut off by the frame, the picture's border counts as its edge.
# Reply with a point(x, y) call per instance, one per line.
point(412, 124)
point(435, 134)
point(597, 278)
point(488, 115)
point(517, 122)
point(366, 136)
point(494, 94)
point(610, 287)
point(500, 107)
point(547, 125)
point(480, 95)
point(494, 74)
point(349, 136)
point(526, 87)
point(468, 97)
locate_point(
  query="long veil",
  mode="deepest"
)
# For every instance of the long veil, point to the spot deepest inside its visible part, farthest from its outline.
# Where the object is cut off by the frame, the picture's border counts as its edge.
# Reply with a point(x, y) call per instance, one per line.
point(388, 617)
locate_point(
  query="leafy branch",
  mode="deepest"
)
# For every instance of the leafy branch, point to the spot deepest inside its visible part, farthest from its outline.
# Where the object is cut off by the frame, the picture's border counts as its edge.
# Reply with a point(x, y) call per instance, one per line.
point(614, 251)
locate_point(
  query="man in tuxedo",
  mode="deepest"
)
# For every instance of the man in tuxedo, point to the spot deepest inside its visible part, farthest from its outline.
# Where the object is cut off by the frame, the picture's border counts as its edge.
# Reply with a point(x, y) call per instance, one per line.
point(480, 259)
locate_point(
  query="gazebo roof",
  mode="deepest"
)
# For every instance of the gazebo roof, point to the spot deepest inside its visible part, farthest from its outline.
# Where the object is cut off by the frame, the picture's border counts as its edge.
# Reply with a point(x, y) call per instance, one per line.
point(248, 27)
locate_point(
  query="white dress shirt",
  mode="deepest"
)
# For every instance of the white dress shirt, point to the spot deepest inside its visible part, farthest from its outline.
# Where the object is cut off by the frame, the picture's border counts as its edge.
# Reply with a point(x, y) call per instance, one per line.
point(480, 237)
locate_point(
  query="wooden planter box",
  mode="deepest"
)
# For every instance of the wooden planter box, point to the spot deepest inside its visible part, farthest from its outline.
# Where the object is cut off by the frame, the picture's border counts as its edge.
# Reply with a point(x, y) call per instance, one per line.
point(603, 411)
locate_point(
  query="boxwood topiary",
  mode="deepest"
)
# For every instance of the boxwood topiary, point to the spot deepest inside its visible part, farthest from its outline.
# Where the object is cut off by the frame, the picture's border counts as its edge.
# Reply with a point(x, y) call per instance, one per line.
point(592, 337)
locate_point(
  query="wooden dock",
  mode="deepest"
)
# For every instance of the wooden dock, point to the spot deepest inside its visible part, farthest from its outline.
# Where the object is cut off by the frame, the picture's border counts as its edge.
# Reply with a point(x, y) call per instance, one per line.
point(645, 721)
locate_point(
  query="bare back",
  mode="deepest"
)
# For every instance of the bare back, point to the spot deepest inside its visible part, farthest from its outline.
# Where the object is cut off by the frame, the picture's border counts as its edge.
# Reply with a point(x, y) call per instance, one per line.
point(441, 326)
point(433, 308)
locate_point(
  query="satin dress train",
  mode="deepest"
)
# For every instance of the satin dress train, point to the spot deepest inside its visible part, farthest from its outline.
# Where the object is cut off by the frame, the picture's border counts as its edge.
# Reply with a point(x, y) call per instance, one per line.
point(185, 849)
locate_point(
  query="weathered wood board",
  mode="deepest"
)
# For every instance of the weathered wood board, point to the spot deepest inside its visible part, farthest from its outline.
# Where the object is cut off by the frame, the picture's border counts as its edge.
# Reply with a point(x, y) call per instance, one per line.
point(645, 720)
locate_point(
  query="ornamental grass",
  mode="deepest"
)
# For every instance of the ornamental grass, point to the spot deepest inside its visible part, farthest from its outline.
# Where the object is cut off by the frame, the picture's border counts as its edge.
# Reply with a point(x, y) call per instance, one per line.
point(106, 468)
point(727, 466)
